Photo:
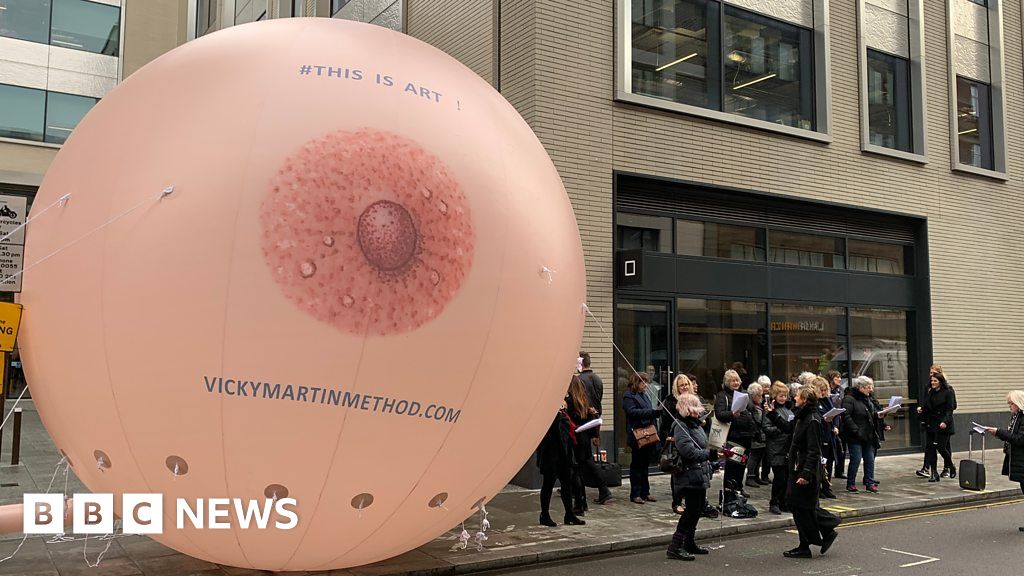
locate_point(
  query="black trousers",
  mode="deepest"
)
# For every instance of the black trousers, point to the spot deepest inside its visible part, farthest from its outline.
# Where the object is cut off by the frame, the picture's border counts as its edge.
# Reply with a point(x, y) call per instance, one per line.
point(564, 478)
point(677, 492)
point(840, 461)
point(639, 484)
point(780, 476)
point(695, 500)
point(583, 451)
point(734, 472)
point(935, 444)
point(806, 520)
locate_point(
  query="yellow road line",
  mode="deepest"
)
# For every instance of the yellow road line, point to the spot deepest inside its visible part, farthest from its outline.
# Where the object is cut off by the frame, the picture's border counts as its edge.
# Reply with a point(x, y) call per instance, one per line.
point(931, 513)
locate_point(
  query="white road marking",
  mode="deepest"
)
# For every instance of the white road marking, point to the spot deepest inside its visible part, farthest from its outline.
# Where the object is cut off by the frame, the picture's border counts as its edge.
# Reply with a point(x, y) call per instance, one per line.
point(927, 559)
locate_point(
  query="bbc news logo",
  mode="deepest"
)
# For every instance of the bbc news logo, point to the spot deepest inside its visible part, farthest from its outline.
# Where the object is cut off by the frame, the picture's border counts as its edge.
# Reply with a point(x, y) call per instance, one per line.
point(144, 514)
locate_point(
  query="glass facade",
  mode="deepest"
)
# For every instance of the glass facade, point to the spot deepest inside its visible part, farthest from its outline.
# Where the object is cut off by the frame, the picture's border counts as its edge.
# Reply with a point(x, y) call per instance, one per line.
point(696, 238)
point(806, 339)
point(711, 55)
point(21, 112)
point(768, 69)
point(890, 119)
point(40, 116)
point(974, 123)
point(337, 5)
point(637, 231)
point(718, 335)
point(642, 334)
point(25, 20)
point(206, 17)
point(806, 249)
point(88, 26)
point(879, 344)
point(880, 257)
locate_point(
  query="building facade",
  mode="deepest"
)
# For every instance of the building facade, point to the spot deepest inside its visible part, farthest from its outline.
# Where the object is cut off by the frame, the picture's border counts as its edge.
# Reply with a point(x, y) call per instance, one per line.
point(778, 186)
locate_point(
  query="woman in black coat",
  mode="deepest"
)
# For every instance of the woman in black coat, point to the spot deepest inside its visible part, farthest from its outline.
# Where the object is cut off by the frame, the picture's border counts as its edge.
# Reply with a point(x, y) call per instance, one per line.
point(778, 428)
point(639, 414)
point(741, 429)
point(805, 468)
point(936, 411)
point(694, 477)
point(1013, 439)
point(555, 460)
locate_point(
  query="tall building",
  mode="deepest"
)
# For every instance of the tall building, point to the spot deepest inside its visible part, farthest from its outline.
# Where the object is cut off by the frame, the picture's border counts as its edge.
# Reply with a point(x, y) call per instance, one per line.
point(779, 186)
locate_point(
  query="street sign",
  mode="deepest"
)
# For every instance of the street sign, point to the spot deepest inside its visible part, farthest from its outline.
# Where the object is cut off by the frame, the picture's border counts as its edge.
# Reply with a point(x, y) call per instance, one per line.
point(12, 248)
point(10, 320)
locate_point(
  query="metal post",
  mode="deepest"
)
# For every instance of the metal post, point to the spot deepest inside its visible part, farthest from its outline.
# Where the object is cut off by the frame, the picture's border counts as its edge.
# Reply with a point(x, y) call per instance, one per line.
point(16, 444)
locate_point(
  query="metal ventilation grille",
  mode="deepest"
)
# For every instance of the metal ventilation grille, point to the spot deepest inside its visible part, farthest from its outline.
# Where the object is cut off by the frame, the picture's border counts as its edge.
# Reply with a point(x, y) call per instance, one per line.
point(637, 194)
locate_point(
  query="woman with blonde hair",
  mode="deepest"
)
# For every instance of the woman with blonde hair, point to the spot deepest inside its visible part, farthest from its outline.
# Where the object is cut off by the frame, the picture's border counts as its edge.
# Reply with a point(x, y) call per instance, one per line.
point(680, 385)
point(694, 477)
point(1013, 439)
point(741, 429)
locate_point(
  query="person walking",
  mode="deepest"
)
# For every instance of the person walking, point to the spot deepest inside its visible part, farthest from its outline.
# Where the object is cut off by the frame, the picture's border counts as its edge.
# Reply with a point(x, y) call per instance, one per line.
point(936, 411)
point(639, 414)
point(555, 461)
point(757, 444)
point(741, 429)
point(591, 439)
point(680, 385)
point(829, 433)
point(860, 427)
point(1013, 440)
point(694, 477)
point(778, 429)
point(805, 465)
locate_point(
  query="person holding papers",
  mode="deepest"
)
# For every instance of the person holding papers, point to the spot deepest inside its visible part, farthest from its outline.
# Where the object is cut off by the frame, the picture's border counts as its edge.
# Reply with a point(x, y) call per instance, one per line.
point(732, 407)
point(555, 461)
point(830, 423)
point(860, 427)
point(578, 407)
point(1013, 439)
point(936, 411)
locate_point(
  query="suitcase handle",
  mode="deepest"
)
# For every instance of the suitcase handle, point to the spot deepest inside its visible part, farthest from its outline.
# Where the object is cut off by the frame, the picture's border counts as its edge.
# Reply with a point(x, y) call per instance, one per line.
point(970, 446)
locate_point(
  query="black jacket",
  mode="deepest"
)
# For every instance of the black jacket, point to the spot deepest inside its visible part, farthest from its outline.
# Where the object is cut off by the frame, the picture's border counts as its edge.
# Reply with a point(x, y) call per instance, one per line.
point(555, 453)
point(860, 421)
point(692, 445)
point(805, 458)
point(668, 417)
point(639, 414)
point(938, 405)
point(741, 430)
point(778, 430)
point(1013, 462)
point(594, 387)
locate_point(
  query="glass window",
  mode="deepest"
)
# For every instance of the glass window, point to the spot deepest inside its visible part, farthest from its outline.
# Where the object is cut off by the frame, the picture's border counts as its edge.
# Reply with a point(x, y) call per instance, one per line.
point(878, 338)
point(676, 52)
point(88, 26)
point(768, 69)
point(806, 249)
point(297, 7)
point(716, 335)
point(25, 20)
point(63, 113)
point(807, 339)
point(889, 112)
point(974, 122)
point(637, 231)
point(879, 257)
point(21, 112)
point(714, 240)
point(641, 333)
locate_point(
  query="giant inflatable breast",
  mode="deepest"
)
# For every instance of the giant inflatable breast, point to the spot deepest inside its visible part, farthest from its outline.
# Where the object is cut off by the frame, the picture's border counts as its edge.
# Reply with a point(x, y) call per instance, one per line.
point(303, 257)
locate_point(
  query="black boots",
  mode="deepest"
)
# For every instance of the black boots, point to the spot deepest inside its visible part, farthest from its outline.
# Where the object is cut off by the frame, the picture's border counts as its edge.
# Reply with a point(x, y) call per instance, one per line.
point(952, 472)
point(545, 520)
point(574, 520)
point(676, 552)
point(690, 545)
point(934, 475)
point(923, 472)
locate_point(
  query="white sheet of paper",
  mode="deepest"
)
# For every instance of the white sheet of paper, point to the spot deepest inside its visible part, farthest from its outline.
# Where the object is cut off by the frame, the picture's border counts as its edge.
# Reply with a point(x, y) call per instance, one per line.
point(834, 412)
point(980, 429)
point(588, 425)
point(739, 401)
point(895, 401)
point(889, 410)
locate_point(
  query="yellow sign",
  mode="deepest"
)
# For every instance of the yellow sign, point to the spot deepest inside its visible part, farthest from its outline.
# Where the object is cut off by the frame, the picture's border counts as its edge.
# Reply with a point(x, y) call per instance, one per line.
point(10, 319)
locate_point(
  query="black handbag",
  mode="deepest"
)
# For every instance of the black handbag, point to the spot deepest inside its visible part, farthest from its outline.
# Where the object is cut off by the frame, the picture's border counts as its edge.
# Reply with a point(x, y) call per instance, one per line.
point(610, 472)
point(668, 462)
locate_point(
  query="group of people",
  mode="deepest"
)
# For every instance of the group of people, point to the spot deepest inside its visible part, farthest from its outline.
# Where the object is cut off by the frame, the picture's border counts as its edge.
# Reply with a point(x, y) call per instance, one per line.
point(788, 436)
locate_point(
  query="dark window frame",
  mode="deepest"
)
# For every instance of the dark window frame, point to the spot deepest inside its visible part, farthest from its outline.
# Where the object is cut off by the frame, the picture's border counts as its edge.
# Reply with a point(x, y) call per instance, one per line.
point(985, 127)
point(907, 101)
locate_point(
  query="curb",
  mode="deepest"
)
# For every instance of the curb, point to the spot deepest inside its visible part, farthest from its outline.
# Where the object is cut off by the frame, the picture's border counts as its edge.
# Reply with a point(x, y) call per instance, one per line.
point(717, 531)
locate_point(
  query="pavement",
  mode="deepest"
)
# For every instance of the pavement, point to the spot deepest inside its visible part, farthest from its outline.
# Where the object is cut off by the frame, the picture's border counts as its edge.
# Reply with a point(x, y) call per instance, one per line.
point(514, 539)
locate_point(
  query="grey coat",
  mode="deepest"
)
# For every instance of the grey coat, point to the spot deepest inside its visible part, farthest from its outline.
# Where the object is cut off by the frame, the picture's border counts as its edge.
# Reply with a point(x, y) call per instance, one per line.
point(692, 445)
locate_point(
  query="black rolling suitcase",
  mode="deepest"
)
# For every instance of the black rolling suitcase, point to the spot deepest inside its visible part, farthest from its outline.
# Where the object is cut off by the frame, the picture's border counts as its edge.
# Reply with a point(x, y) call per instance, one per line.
point(972, 472)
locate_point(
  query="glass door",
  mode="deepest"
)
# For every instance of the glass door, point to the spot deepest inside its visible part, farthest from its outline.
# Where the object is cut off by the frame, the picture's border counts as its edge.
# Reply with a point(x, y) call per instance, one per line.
point(642, 334)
